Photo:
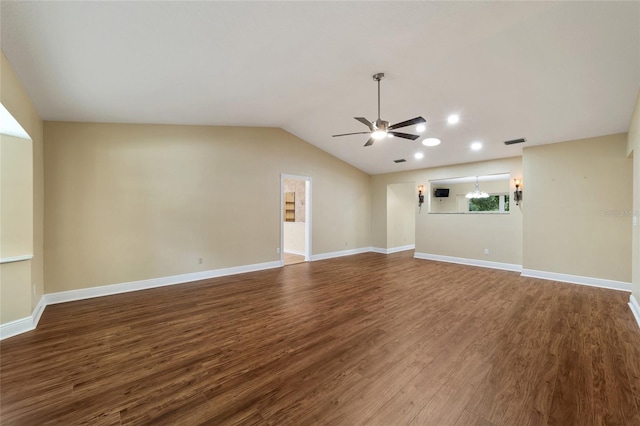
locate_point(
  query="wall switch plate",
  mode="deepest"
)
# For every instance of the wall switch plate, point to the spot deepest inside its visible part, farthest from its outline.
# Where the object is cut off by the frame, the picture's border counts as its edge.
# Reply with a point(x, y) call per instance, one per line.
point(486, 251)
point(635, 220)
point(277, 250)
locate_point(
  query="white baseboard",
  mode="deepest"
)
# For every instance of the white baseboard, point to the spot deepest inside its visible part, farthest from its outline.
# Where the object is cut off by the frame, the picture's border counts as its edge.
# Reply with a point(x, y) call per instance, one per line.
point(635, 308)
point(107, 290)
point(471, 262)
point(296, 252)
point(576, 279)
point(22, 325)
point(393, 249)
point(331, 255)
point(39, 309)
point(13, 328)
point(29, 323)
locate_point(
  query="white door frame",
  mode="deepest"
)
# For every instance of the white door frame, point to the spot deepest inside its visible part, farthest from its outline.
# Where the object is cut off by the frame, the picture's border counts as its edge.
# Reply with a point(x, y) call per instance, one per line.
point(307, 214)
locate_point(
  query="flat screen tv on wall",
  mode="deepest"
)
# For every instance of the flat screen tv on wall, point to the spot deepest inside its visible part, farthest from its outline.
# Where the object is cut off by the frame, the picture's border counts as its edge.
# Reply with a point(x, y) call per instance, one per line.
point(441, 192)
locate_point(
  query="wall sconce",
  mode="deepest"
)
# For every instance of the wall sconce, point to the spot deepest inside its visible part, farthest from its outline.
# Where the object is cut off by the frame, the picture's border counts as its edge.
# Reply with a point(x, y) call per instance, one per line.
point(517, 194)
point(420, 195)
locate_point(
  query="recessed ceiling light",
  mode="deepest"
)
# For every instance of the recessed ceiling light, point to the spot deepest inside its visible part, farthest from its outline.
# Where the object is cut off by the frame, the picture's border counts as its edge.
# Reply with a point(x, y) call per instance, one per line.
point(418, 156)
point(389, 135)
point(453, 119)
point(431, 142)
point(476, 146)
point(421, 128)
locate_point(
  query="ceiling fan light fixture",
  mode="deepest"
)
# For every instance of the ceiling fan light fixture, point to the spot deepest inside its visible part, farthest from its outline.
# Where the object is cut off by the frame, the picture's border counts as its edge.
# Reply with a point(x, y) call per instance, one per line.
point(380, 128)
point(378, 134)
point(421, 128)
point(431, 142)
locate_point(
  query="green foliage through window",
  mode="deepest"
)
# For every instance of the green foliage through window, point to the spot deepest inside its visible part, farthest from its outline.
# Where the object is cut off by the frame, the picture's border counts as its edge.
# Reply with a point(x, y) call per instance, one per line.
point(493, 203)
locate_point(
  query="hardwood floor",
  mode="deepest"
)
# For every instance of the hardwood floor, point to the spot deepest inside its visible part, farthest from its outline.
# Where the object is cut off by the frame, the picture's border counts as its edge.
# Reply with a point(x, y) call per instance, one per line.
point(292, 259)
point(366, 339)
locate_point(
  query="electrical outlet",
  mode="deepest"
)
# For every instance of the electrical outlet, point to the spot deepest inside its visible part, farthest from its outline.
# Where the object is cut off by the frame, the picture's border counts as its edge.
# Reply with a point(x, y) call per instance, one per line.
point(635, 220)
point(486, 251)
point(277, 250)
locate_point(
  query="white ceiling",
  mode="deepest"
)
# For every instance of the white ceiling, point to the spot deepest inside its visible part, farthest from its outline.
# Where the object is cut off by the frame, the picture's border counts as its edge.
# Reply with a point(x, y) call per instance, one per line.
point(547, 71)
point(469, 179)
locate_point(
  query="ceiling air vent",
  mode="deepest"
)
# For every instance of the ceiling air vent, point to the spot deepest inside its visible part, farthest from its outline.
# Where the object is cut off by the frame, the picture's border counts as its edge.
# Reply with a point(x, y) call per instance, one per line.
point(401, 160)
point(515, 141)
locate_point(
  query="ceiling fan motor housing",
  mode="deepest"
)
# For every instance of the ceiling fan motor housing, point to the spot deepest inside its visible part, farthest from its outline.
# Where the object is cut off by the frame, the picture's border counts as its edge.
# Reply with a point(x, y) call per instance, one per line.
point(381, 125)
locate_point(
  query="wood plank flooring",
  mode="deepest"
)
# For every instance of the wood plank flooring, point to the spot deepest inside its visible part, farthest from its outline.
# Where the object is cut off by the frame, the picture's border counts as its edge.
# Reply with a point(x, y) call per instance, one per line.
point(366, 339)
point(292, 259)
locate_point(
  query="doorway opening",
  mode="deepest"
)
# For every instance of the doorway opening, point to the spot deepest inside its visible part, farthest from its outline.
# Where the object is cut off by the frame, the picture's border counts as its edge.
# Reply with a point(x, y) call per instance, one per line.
point(295, 219)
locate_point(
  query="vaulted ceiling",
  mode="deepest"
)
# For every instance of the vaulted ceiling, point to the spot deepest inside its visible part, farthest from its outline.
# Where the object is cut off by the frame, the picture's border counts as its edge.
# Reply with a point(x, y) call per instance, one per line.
point(546, 71)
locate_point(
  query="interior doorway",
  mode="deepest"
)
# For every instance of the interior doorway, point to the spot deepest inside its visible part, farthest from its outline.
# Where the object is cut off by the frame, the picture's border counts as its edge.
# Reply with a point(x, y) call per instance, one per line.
point(295, 219)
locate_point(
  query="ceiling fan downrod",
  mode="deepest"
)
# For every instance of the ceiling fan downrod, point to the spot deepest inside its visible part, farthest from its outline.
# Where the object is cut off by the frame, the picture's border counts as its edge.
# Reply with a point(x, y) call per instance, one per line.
point(378, 77)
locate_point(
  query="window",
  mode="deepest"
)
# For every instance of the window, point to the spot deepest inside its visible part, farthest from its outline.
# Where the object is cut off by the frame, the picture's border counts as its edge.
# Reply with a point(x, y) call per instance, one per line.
point(498, 203)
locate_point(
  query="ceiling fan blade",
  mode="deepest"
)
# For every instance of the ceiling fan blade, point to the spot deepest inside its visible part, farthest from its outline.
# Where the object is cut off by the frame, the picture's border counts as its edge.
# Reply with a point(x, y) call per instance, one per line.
point(404, 135)
point(365, 122)
point(369, 142)
point(357, 133)
point(408, 123)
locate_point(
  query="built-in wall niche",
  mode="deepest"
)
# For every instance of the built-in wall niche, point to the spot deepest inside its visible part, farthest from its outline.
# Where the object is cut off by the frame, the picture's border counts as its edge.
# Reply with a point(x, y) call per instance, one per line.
point(484, 194)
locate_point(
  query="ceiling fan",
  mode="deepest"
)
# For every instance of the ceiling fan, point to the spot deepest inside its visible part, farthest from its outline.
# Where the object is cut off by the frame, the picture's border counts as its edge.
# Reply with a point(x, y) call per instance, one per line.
point(380, 128)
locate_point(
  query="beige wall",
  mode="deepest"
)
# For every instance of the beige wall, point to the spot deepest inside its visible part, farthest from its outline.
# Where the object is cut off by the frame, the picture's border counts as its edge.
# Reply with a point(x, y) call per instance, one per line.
point(457, 235)
point(577, 199)
point(18, 281)
point(130, 202)
point(16, 197)
point(633, 148)
point(401, 214)
point(16, 226)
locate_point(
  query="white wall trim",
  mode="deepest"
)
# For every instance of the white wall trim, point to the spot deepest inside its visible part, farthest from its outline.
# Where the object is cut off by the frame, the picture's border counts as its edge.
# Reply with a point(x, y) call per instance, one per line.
point(393, 249)
point(107, 290)
point(38, 310)
point(576, 279)
point(331, 255)
point(16, 258)
point(13, 328)
point(635, 308)
point(22, 325)
point(471, 262)
point(29, 323)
